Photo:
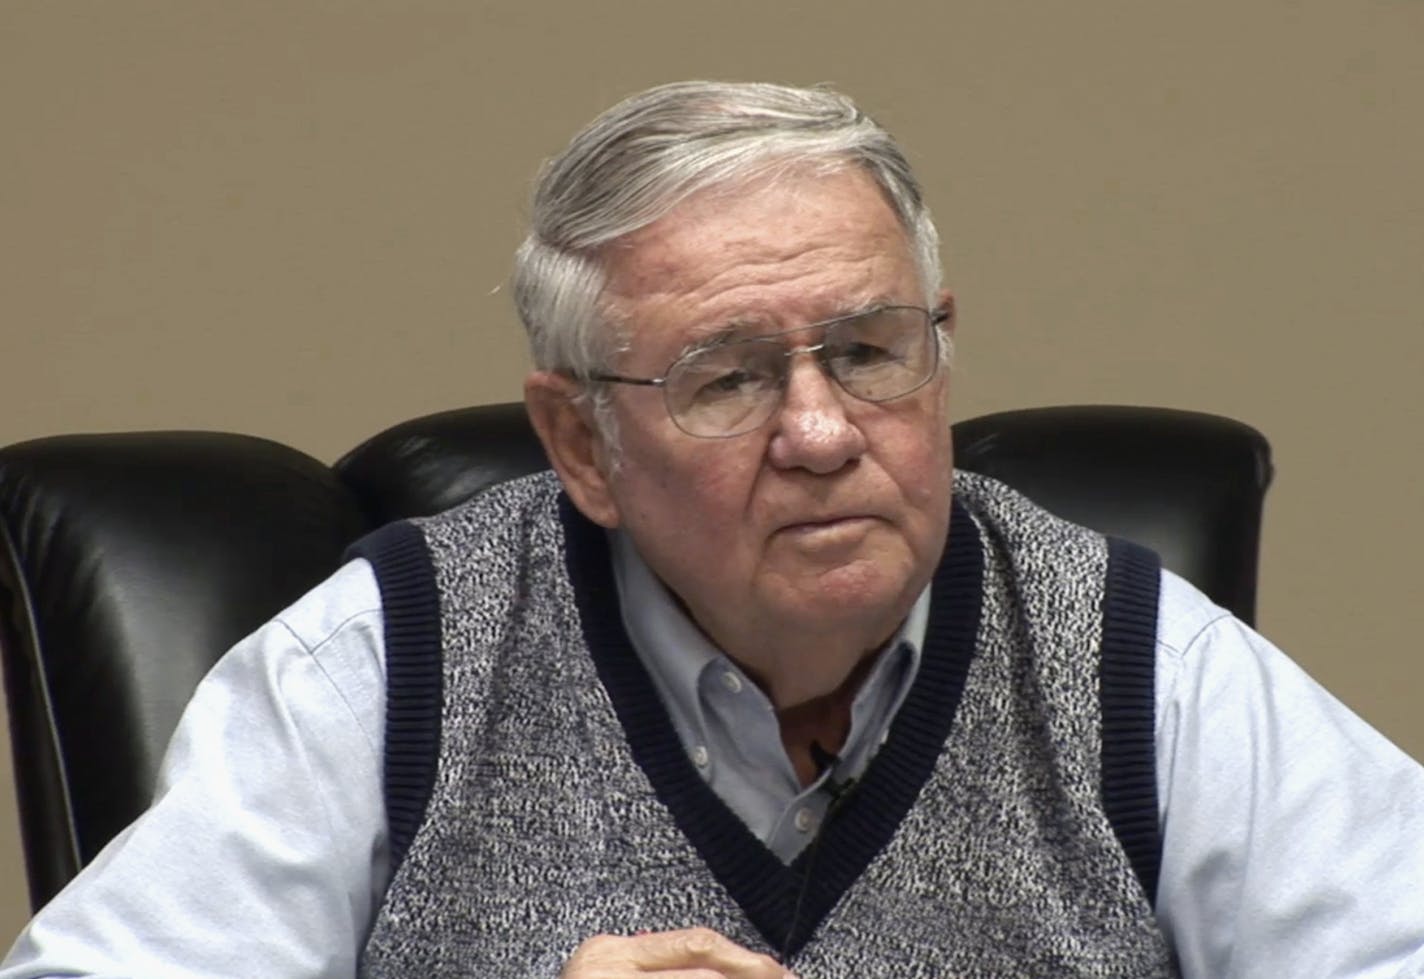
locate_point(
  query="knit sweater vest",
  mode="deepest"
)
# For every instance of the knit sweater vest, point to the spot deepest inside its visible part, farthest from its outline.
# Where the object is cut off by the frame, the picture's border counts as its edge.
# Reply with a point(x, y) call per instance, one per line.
point(538, 794)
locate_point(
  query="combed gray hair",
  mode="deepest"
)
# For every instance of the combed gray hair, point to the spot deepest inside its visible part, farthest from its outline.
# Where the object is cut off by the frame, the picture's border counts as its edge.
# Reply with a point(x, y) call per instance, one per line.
point(638, 160)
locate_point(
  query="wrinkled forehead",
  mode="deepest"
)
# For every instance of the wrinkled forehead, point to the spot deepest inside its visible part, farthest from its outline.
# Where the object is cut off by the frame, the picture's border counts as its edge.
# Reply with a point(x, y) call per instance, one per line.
point(763, 257)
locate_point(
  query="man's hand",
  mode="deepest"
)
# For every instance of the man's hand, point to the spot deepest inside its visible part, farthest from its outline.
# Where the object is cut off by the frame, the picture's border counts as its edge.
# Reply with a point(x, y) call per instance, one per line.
point(693, 953)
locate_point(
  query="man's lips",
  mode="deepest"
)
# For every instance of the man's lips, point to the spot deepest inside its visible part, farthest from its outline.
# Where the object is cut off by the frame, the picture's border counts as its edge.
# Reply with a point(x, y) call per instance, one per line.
point(814, 524)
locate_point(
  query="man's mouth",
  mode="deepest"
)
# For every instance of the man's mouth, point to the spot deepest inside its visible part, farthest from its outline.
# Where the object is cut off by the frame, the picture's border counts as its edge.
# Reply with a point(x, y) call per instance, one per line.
point(828, 526)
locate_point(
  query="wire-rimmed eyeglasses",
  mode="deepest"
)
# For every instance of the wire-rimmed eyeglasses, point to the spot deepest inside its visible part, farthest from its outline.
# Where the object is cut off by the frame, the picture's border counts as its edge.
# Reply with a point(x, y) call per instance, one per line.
point(730, 387)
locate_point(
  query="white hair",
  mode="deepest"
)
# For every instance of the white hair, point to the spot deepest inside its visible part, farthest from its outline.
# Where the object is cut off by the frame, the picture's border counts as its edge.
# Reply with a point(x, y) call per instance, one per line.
point(640, 159)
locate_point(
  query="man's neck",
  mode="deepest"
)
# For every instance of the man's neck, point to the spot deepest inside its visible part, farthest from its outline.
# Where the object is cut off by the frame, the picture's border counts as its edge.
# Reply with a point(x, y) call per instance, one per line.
point(820, 725)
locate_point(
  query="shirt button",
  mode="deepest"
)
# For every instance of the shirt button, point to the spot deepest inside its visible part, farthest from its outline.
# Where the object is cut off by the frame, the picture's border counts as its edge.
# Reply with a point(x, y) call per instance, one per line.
point(732, 682)
point(699, 756)
point(805, 820)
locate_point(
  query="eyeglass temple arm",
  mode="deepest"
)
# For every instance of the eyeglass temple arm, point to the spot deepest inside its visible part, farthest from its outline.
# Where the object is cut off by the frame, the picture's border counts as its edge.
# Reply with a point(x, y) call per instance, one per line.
point(655, 382)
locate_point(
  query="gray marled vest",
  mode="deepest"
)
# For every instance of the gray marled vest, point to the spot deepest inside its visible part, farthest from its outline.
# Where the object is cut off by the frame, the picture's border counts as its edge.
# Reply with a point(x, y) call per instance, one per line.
point(538, 795)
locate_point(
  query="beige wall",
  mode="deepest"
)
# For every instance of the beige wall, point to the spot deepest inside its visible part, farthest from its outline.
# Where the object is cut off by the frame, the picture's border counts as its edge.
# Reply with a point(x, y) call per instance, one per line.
point(294, 219)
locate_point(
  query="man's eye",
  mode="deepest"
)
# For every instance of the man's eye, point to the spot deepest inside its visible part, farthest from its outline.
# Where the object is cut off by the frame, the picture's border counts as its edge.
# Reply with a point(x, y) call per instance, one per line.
point(729, 384)
point(864, 355)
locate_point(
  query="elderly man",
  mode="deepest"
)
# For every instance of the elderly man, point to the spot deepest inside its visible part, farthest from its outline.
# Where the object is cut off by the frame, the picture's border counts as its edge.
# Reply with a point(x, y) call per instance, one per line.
point(754, 685)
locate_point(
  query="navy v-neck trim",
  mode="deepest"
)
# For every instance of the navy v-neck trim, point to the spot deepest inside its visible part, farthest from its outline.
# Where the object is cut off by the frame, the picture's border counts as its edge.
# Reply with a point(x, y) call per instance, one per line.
point(410, 611)
point(1127, 673)
point(787, 903)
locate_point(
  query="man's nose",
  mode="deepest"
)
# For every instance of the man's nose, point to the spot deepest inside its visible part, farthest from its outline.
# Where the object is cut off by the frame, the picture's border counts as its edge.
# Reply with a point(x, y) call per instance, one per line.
point(813, 430)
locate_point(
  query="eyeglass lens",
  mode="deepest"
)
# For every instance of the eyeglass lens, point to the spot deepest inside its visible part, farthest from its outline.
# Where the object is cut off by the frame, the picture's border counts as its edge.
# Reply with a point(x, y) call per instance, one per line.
point(733, 387)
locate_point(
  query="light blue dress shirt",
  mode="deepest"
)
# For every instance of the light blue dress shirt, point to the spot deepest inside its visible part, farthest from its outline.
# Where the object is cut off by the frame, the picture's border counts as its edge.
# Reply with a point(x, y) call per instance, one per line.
point(1293, 833)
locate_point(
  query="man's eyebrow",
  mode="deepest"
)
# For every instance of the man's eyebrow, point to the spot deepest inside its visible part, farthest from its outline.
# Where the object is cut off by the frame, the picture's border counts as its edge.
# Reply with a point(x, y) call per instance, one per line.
point(750, 328)
point(732, 331)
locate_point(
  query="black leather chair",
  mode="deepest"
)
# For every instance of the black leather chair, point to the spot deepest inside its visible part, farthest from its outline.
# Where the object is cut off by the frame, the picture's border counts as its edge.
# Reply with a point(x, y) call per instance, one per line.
point(130, 562)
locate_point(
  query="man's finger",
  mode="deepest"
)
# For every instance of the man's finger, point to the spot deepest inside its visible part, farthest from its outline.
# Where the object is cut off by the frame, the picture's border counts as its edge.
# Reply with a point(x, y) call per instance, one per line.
point(669, 952)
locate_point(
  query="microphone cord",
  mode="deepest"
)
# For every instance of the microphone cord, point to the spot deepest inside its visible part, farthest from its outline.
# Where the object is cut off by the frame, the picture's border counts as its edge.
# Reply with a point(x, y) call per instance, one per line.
point(839, 792)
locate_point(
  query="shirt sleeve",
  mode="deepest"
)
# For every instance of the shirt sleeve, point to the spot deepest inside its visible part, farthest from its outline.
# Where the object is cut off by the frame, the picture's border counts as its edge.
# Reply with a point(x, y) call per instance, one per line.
point(264, 853)
point(1293, 833)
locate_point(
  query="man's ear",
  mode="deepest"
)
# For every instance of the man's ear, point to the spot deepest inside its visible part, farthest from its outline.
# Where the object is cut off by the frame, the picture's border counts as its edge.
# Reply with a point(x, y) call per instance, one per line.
point(572, 442)
point(944, 303)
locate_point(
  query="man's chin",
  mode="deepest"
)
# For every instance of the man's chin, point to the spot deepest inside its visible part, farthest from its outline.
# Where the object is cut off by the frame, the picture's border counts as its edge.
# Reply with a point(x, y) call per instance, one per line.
point(852, 596)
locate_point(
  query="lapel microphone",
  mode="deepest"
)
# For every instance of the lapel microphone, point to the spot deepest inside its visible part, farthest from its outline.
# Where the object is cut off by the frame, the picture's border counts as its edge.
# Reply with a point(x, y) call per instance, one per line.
point(827, 761)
